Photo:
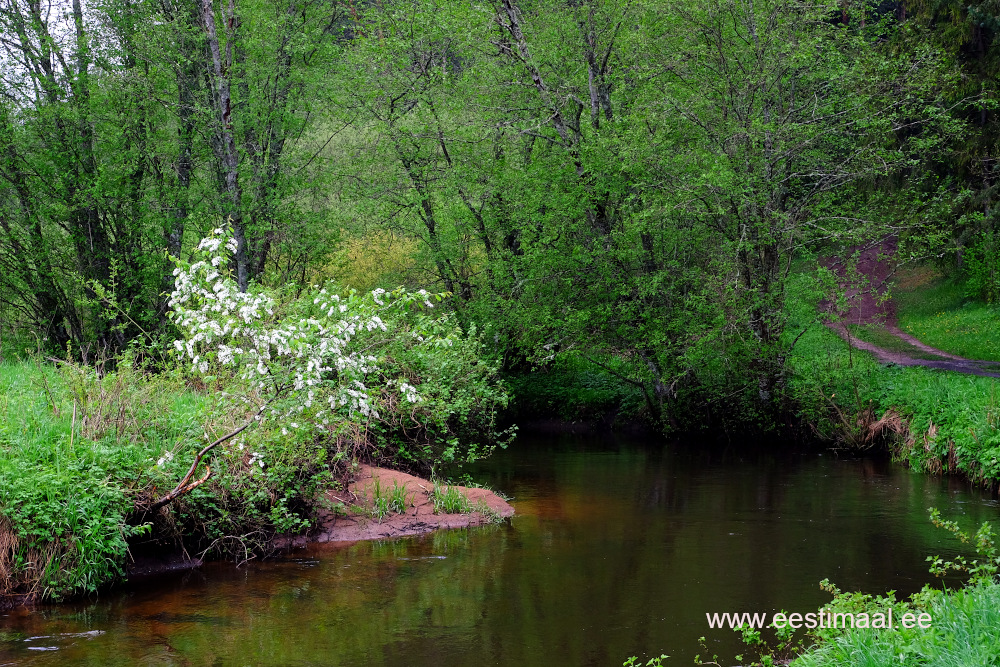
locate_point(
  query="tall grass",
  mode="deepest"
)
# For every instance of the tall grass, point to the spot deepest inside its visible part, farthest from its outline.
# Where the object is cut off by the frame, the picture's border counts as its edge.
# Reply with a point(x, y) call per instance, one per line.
point(83, 453)
point(75, 450)
point(962, 634)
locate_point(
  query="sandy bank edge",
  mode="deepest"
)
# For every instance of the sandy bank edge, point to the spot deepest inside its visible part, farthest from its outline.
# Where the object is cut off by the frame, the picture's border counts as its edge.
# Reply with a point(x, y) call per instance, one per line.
point(418, 519)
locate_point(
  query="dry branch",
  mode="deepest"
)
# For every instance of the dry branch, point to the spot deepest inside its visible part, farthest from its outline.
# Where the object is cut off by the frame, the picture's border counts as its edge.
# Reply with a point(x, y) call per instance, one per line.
point(185, 485)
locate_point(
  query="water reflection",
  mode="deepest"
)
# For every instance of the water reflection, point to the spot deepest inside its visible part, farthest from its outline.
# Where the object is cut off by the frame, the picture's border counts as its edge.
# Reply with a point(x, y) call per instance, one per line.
point(619, 547)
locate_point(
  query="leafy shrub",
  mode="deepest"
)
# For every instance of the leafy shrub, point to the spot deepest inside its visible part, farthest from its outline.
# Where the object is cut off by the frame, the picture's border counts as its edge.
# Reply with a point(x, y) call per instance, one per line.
point(982, 269)
point(287, 387)
point(363, 370)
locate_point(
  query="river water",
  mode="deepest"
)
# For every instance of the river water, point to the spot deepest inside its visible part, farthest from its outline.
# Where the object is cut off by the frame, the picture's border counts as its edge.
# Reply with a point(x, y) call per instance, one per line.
point(620, 547)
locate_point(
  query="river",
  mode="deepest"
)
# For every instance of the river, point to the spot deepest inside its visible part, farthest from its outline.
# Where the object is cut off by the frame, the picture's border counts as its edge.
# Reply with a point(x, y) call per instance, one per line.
point(620, 547)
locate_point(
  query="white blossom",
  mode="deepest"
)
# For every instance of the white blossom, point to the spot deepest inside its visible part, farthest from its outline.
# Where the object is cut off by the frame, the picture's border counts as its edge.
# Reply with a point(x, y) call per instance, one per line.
point(318, 354)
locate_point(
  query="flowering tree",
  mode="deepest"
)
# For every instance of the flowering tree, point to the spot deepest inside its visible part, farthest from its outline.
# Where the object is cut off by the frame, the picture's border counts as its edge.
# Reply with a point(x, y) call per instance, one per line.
point(324, 361)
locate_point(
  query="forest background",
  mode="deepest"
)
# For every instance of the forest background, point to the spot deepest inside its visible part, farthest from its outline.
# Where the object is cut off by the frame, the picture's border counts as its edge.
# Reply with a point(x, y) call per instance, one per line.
point(617, 207)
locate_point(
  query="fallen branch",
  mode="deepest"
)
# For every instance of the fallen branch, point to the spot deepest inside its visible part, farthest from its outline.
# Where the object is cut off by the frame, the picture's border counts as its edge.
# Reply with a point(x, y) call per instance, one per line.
point(184, 486)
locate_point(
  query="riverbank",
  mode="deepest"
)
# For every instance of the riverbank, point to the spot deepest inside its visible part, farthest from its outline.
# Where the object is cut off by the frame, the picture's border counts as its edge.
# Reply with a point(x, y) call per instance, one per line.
point(862, 386)
point(88, 455)
point(352, 515)
point(365, 512)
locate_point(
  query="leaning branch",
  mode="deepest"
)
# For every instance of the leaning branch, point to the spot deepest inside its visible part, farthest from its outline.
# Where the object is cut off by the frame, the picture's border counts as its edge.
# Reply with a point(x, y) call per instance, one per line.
point(186, 485)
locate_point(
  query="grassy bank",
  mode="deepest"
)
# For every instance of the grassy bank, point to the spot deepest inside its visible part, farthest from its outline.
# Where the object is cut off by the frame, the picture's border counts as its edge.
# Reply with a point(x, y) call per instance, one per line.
point(934, 421)
point(937, 311)
point(86, 457)
point(83, 453)
point(962, 633)
point(958, 625)
point(226, 440)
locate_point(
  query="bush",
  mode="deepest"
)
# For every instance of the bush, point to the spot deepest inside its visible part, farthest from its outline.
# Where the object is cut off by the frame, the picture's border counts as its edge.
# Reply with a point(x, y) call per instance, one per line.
point(982, 268)
point(375, 373)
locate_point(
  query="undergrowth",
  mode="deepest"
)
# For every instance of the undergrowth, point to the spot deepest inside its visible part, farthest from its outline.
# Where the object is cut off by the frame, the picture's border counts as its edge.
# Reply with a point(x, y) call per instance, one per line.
point(77, 451)
point(86, 451)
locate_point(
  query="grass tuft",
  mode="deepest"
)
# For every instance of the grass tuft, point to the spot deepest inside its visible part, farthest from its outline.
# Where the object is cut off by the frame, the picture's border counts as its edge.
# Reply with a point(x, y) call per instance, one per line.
point(449, 500)
point(386, 501)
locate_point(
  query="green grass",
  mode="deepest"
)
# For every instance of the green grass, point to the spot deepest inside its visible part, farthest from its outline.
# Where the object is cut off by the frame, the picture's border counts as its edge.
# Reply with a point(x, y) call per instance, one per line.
point(81, 455)
point(68, 483)
point(937, 312)
point(387, 501)
point(449, 500)
point(951, 417)
point(962, 634)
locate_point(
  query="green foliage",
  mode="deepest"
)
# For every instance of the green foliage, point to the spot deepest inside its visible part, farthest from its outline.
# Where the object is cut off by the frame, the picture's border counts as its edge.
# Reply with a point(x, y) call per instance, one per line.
point(984, 544)
point(449, 500)
point(960, 635)
point(656, 661)
point(374, 371)
point(574, 388)
point(77, 450)
point(982, 269)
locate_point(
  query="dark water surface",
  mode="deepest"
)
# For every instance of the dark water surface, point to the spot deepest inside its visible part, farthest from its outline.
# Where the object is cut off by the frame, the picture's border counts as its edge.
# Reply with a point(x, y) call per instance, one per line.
point(619, 547)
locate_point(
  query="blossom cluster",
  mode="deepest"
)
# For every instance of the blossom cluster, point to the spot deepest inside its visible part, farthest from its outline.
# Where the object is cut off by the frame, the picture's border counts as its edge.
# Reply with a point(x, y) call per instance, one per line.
point(318, 345)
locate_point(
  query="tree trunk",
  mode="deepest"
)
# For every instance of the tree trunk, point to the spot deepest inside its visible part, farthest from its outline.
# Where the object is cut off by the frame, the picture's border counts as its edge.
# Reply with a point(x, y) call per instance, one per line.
point(229, 156)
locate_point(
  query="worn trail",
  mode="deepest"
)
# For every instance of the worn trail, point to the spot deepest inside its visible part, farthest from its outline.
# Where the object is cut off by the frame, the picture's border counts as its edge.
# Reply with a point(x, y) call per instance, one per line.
point(866, 290)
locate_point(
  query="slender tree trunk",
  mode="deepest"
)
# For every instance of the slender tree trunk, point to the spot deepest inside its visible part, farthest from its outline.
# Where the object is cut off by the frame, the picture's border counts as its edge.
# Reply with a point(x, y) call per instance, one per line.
point(221, 73)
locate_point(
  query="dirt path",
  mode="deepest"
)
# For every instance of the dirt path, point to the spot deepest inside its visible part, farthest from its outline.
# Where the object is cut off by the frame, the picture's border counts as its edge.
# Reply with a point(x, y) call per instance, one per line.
point(865, 290)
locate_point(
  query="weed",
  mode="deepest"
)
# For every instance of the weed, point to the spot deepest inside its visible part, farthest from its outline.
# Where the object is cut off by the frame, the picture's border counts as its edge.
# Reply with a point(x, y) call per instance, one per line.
point(653, 662)
point(449, 500)
point(490, 514)
point(387, 501)
point(983, 542)
point(398, 502)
